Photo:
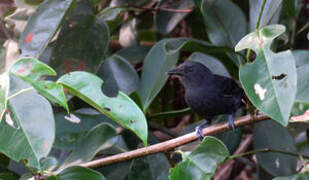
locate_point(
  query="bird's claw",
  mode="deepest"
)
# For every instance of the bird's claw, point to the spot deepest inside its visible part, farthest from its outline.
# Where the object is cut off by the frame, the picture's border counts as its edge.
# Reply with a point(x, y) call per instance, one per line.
point(230, 122)
point(199, 133)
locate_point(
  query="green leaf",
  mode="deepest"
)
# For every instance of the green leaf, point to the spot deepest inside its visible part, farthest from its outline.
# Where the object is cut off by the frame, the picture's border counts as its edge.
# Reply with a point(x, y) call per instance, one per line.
point(121, 109)
point(29, 129)
point(299, 176)
point(69, 134)
point(110, 13)
point(270, 14)
point(2, 59)
point(302, 84)
point(270, 81)
point(4, 91)
point(134, 54)
point(164, 56)
point(31, 70)
point(149, 167)
point(82, 43)
point(118, 74)
point(202, 162)
point(80, 173)
point(269, 134)
point(301, 57)
point(167, 21)
point(211, 62)
point(42, 26)
point(101, 137)
point(225, 22)
point(6, 176)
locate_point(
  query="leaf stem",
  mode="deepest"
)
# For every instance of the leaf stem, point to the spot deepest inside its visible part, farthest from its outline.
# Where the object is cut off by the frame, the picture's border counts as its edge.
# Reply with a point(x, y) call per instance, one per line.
point(257, 27)
point(170, 114)
point(267, 150)
point(20, 92)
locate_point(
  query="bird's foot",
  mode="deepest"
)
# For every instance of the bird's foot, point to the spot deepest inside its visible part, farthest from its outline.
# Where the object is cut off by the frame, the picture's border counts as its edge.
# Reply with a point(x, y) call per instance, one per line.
point(199, 133)
point(199, 130)
point(230, 122)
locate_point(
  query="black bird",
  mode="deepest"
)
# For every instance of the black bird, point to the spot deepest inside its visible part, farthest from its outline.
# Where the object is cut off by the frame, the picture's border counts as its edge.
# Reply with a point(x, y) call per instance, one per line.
point(208, 94)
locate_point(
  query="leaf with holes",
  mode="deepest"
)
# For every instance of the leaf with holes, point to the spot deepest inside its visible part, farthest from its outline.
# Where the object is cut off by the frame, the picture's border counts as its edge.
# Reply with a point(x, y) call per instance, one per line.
point(201, 164)
point(42, 26)
point(270, 81)
point(121, 108)
point(4, 90)
point(31, 70)
point(28, 129)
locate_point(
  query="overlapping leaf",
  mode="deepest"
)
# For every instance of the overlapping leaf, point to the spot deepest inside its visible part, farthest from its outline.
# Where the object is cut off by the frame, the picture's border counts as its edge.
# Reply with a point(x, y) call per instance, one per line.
point(4, 90)
point(77, 173)
point(201, 164)
point(225, 22)
point(42, 25)
point(28, 132)
point(31, 71)
point(97, 139)
point(270, 81)
point(121, 108)
point(271, 135)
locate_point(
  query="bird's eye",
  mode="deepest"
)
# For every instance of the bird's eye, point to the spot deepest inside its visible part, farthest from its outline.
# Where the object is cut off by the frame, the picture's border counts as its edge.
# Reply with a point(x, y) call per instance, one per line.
point(188, 69)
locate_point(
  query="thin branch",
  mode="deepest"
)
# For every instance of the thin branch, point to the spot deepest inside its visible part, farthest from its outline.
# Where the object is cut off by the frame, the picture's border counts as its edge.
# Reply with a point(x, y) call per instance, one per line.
point(173, 143)
point(257, 25)
point(267, 150)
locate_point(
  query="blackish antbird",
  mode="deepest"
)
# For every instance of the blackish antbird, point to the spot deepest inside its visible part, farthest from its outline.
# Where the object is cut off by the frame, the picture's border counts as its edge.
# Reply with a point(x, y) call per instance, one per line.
point(208, 94)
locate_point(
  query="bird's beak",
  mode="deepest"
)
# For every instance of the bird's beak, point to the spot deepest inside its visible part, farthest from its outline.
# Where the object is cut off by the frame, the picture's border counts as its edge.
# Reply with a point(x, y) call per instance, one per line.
point(176, 71)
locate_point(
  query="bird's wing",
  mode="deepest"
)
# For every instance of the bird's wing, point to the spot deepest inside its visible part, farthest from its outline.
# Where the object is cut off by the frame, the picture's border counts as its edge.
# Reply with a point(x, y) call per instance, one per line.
point(228, 87)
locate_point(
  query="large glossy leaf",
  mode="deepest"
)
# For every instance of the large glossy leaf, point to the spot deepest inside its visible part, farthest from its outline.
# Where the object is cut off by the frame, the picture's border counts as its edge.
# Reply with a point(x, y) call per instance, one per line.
point(270, 81)
point(82, 43)
point(41, 26)
point(301, 57)
point(302, 84)
point(2, 59)
point(118, 74)
point(270, 14)
point(4, 91)
point(31, 71)
point(269, 134)
point(225, 22)
point(97, 139)
point(29, 129)
point(149, 167)
point(80, 173)
point(211, 62)
point(70, 134)
point(121, 108)
point(167, 21)
point(201, 164)
point(299, 176)
point(161, 58)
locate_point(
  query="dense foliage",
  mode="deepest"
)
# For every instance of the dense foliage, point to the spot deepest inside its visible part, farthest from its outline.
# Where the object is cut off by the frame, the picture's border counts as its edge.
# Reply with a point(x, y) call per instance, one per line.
point(86, 79)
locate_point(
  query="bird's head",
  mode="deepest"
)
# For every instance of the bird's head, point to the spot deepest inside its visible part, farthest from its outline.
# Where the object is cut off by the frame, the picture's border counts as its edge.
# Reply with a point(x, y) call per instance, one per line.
point(192, 73)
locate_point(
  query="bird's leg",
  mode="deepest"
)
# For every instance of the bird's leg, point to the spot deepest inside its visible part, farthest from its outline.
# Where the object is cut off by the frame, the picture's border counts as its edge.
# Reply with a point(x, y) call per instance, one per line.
point(199, 129)
point(230, 121)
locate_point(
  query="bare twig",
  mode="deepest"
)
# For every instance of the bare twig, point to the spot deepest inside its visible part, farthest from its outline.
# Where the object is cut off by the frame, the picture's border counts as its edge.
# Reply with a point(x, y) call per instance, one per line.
point(171, 144)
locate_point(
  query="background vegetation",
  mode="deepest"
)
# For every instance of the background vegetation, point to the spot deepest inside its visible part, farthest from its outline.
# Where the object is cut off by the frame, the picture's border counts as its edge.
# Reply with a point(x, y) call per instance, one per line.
point(83, 89)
